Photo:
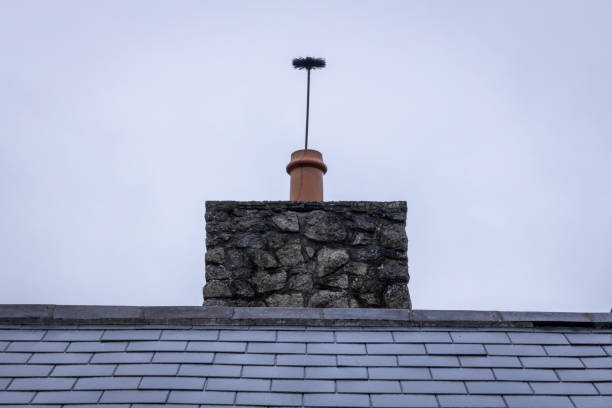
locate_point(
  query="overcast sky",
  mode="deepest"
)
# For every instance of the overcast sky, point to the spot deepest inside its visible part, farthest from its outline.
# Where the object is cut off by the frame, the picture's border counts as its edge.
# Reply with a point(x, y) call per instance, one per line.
point(493, 120)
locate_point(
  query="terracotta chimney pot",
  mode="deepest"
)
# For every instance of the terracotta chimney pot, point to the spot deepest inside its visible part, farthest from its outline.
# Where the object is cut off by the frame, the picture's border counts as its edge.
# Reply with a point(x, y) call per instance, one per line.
point(306, 169)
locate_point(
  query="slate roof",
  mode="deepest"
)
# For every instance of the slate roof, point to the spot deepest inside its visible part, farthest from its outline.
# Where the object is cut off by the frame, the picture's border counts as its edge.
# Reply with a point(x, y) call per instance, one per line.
point(257, 357)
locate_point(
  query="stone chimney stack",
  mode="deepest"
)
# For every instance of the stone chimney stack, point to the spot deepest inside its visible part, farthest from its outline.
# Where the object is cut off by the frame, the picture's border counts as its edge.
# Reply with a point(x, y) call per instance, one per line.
point(306, 254)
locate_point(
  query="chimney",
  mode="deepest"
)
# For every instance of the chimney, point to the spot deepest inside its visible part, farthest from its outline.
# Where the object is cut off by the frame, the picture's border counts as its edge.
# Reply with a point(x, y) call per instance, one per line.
point(306, 169)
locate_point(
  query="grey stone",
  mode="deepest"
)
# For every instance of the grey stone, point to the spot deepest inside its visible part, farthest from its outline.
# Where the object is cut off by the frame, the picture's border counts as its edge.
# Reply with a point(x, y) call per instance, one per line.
point(364, 222)
point(396, 296)
point(236, 259)
point(322, 226)
point(366, 254)
point(217, 289)
point(393, 236)
point(289, 300)
point(217, 272)
point(262, 259)
point(287, 222)
point(290, 255)
point(330, 260)
point(215, 256)
point(361, 238)
point(242, 289)
point(250, 240)
point(339, 281)
point(356, 268)
point(394, 269)
point(326, 298)
point(310, 251)
point(267, 282)
point(301, 282)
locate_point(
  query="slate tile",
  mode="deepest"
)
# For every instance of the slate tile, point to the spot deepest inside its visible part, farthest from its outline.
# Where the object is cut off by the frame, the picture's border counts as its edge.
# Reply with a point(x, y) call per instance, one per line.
point(269, 399)
point(305, 360)
point(608, 350)
point(331, 348)
point(147, 369)
point(589, 338)
point(238, 358)
point(575, 351)
point(456, 349)
point(285, 348)
point(18, 370)
point(336, 400)
point(370, 387)
point(107, 383)
point(358, 336)
point(480, 337)
point(469, 401)
point(583, 375)
point(540, 401)
point(367, 361)
point(131, 335)
point(498, 387)
point(133, 396)
point(433, 387)
point(35, 346)
point(525, 374)
point(201, 397)
point(336, 372)
point(183, 357)
point(592, 402)
point(305, 336)
point(596, 362)
point(83, 370)
point(302, 386)
point(12, 358)
point(551, 362)
point(462, 373)
point(191, 335)
point(247, 335)
point(172, 383)
point(272, 372)
point(4, 382)
point(604, 388)
point(515, 350)
point(16, 397)
point(92, 346)
point(421, 337)
point(490, 361)
point(157, 345)
point(537, 338)
point(209, 370)
point(428, 361)
point(235, 347)
point(394, 400)
point(18, 334)
point(60, 358)
point(73, 335)
point(563, 388)
point(3, 345)
point(67, 397)
point(106, 358)
point(398, 373)
point(42, 384)
point(397, 348)
point(237, 384)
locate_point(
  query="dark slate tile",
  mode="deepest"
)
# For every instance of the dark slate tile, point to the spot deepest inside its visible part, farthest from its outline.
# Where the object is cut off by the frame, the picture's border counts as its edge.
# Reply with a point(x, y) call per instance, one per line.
point(590, 338)
point(551, 362)
point(409, 400)
point(336, 372)
point(60, 358)
point(524, 374)
point(172, 383)
point(305, 336)
point(35, 346)
point(433, 387)
point(183, 357)
point(331, 348)
point(73, 335)
point(230, 347)
point(106, 358)
point(237, 384)
point(83, 370)
point(563, 388)
point(428, 361)
point(9, 370)
point(585, 375)
point(240, 358)
point(469, 401)
point(107, 383)
point(131, 335)
point(20, 334)
point(336, 400)
point(269, 399)
point(192, 335)
point(42, 384)
point(421, 337)
point(4, 382)
point(397, 348)
point(539, 401)
point(480, 337)
point(16, 397)
point(608, 350)
point(598, 362)
point(210, 370)
point(367, 361)
point(157, 346)
point(490, 361)
point(358, 336)
point(285, 348)
point(398, 373)
point(94, 346)
point(201, 397)
point(247, 335)
point(592, 402)
point(537, 338)
point(67, 397)
point(272, 372)
point(457, 349)
point(462, 373)
point(3, 345)
point(303, 386)
point(498, 387)
point(133, 396)
point(515, 350)
point(604, 388)
point(575, 351)
point(305, 360)
point(370, 387)
point(12, 358)
point(147, 369)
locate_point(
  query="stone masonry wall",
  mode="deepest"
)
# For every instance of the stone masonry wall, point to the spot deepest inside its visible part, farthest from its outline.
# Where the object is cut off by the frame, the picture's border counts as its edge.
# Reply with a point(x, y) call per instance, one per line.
point(314, 254)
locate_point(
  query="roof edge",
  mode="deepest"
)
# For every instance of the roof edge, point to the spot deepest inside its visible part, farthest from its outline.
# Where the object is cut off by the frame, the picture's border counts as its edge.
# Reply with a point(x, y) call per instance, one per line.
point(287, 316)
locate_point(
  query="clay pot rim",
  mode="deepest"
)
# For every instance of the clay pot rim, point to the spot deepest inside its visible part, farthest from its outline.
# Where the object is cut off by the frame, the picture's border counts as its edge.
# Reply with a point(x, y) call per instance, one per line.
point(315, 162)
